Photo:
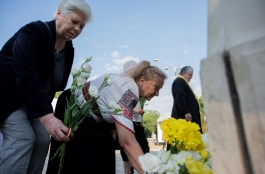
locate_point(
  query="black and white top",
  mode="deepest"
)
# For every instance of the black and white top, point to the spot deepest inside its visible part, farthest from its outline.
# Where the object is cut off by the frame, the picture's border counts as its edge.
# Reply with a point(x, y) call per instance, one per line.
point(54, 82)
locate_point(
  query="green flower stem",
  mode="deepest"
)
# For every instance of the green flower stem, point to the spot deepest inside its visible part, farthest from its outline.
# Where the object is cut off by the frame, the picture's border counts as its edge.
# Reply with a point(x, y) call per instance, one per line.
point(60, 152)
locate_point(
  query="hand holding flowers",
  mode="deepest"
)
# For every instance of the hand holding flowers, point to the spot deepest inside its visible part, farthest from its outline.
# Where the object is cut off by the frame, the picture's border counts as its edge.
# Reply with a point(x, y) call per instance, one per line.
point(77, 109)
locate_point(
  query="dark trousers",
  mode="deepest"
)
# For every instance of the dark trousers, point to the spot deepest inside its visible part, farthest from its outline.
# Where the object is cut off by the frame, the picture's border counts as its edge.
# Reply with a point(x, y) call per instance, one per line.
point(92, 150)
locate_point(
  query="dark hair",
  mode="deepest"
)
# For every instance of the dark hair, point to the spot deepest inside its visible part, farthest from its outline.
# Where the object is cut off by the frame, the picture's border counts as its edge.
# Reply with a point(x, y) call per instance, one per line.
point(185, 69)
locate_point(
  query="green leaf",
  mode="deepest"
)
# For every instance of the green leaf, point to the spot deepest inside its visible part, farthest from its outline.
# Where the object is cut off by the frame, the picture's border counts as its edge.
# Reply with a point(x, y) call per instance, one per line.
point(75, 127)
point(72, 106)
point(75, 111)
point(183, 169)
point(86, 108)
point(72, 99)
point(142, 102)
point(80, 121)
point(66, 117)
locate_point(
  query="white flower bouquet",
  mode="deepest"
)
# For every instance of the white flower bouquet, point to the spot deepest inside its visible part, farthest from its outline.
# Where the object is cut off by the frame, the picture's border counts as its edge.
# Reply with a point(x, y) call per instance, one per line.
point(77, 109)
point(188, 154)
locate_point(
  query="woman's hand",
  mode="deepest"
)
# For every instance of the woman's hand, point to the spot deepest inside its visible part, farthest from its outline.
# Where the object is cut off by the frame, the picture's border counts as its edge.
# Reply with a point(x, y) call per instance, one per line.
point(188, 117)
point(55, 127)
point(138, 110)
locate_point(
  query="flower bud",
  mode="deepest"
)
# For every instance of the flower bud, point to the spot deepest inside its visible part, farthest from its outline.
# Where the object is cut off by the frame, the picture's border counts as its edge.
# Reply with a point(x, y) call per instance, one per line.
point(88, 59)
point(86, 67)
point(106, 77)
point(165, 157)
point(85, 75)
point(93, 91)
point(120, 113)
point(160, 153)
point(74, 71)
point(80, 79)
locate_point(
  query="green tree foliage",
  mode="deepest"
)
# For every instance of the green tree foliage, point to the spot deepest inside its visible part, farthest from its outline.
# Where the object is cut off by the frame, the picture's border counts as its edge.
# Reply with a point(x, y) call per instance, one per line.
point(150, 121)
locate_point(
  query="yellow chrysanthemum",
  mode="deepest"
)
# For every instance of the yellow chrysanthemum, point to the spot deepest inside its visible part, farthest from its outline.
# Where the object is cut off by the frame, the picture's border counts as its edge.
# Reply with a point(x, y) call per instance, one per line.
point(205, 154)
point(196, 167)
point(184, 134)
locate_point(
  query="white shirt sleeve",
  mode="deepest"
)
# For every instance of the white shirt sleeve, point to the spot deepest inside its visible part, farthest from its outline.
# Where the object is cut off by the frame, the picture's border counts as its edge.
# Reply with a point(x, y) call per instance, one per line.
point(124, 92)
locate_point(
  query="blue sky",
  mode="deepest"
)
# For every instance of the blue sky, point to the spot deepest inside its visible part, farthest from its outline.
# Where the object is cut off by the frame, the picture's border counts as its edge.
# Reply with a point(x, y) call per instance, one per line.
point(174, 31)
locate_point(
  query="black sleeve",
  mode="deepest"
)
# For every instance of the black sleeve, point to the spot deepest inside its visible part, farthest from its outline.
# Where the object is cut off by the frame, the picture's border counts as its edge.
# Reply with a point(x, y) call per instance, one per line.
point(61, 104)
point(28, 48)
point(180, 88)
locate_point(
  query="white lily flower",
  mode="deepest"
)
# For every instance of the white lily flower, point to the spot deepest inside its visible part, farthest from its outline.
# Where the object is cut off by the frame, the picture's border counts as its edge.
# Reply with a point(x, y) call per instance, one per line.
point(195, 156)
point(86, 67)
point(181, 157)
point(161, 169)
point(85, 75)
point(149, 162)
point(120, 113)
point(74, 71)
point(80, 79)
point(172, 166)
point(108, 111)
point(205, 140)
point(114, 105)
point(160, 153)
point(165, 157)
point(208, 163)
point(93, 91)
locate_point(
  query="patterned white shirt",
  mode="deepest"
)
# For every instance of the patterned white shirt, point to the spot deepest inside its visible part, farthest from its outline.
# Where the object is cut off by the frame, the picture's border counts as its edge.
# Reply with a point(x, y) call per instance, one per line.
point(124, 92)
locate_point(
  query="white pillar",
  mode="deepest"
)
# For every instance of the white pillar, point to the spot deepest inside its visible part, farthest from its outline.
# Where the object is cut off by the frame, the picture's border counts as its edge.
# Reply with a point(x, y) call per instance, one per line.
point(233, 85)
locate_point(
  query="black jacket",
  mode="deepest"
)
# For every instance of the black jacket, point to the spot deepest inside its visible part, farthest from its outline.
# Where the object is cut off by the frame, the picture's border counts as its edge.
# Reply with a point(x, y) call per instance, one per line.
point(26, 63)
point(184, 101)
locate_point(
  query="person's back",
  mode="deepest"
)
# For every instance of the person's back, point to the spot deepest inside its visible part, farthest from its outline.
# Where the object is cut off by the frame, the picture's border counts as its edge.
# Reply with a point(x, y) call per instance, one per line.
point(34, 64)
point(185, 104)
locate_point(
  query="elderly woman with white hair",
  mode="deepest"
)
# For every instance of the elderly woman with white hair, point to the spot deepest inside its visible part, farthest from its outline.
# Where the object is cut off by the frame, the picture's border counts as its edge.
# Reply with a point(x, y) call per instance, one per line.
point(35, 63)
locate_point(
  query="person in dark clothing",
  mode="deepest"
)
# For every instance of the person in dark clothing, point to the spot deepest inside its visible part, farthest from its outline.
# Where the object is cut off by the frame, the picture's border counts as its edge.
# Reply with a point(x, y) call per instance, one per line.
point(35, 63)
point(185, 102)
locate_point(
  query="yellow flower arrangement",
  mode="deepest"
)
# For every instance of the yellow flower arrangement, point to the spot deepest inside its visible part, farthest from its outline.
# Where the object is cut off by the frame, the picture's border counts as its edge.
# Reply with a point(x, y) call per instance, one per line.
point(188, 150)
point(188, 153)
point(182, 135)
point(196, 167)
